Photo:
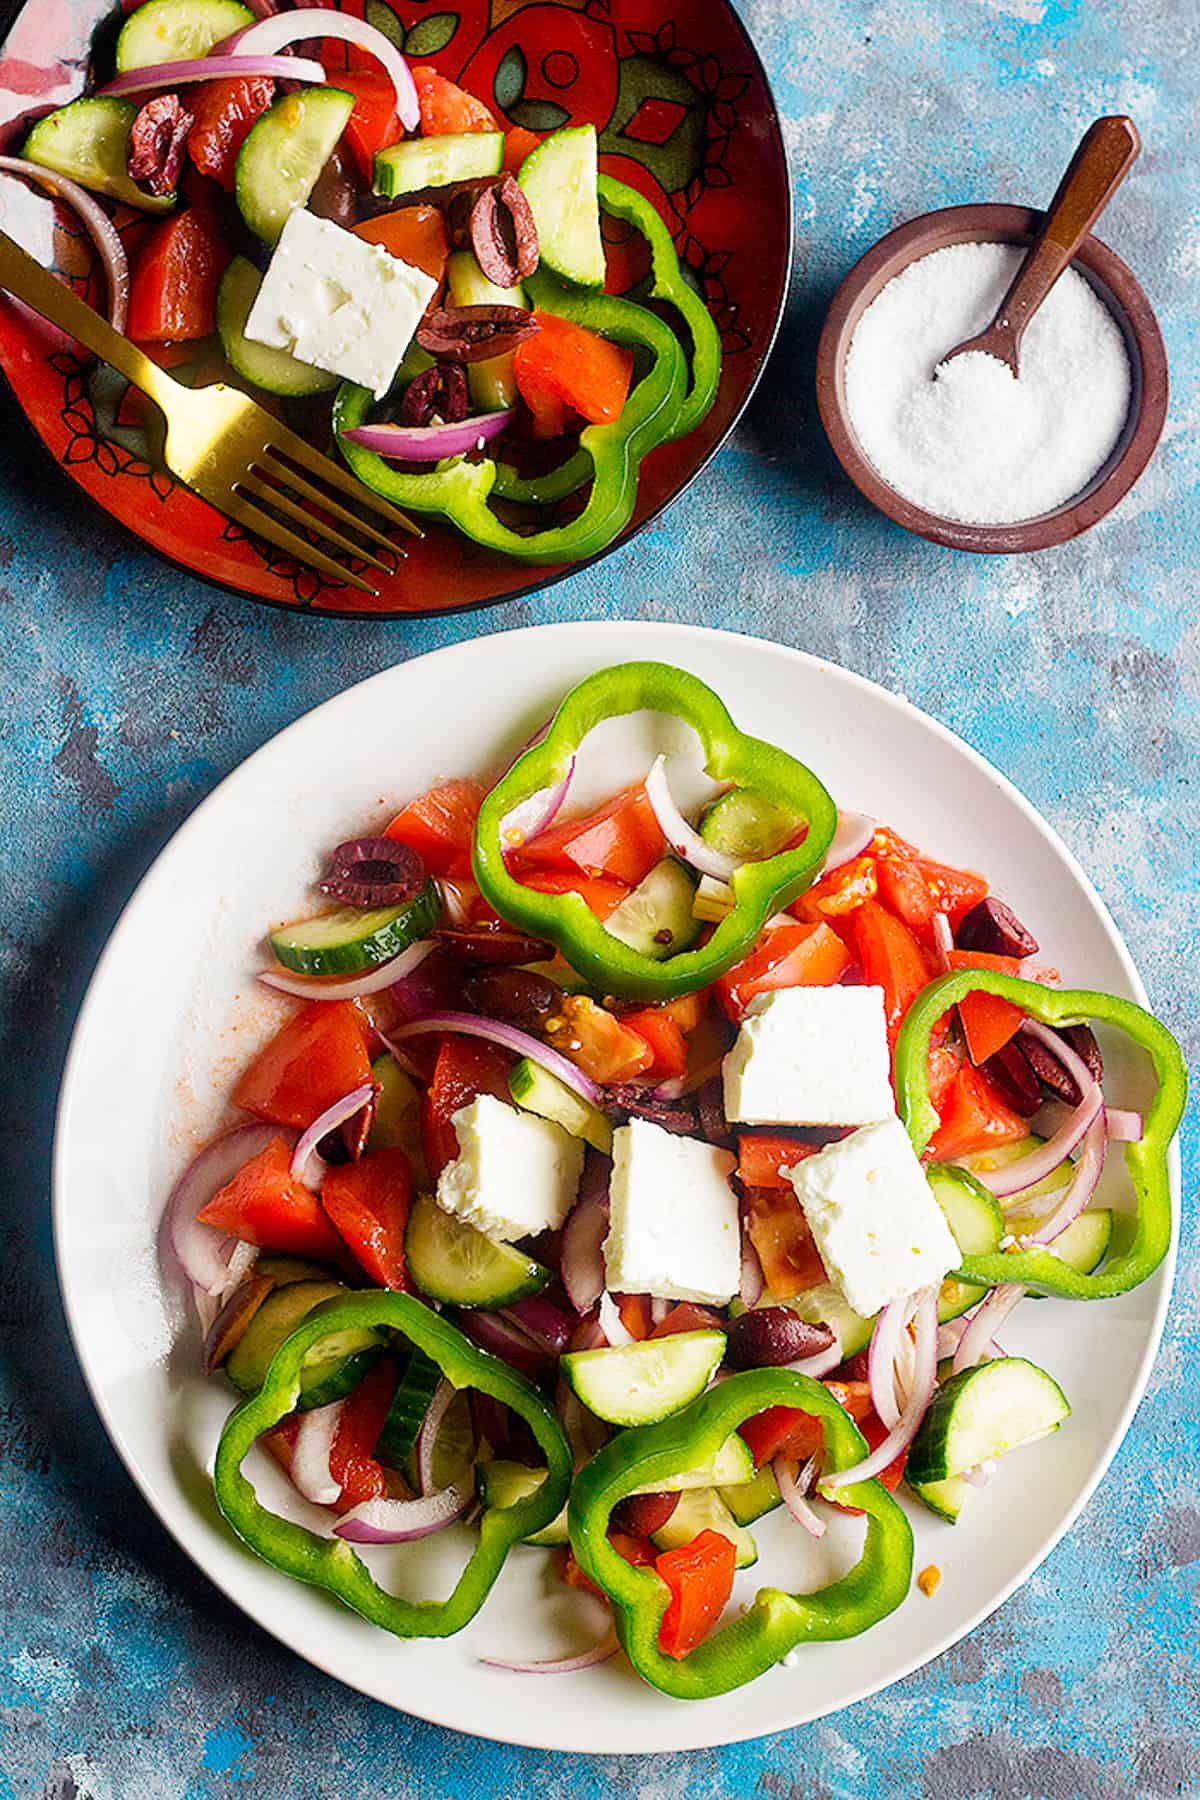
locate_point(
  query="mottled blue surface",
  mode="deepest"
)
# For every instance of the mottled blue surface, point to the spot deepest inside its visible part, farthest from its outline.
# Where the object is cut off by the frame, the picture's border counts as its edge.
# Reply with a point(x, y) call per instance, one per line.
point(129, 690)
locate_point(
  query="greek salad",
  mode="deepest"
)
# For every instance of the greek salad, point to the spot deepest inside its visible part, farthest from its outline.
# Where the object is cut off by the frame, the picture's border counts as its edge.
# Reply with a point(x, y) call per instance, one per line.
point(622, 1175)
point(366, 249)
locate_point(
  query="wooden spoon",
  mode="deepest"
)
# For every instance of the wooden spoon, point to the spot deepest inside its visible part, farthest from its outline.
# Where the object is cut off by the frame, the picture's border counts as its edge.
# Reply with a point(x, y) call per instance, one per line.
point(1108, 150)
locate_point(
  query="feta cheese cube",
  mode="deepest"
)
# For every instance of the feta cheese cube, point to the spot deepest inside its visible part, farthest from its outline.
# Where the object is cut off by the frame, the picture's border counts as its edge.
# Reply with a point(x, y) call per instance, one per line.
point(339, 303)
point(811, 1056)
point(514, 1175)
point(880, 1232)
point(673, 1222)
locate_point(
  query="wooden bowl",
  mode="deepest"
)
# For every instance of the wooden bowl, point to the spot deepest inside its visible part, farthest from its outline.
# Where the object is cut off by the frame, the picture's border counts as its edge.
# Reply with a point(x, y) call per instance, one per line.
point(1116, 286)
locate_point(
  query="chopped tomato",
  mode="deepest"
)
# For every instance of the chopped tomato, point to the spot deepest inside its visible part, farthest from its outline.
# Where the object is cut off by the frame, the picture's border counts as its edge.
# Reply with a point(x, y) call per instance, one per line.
point(374, 123)
point(567, 365)
point(786, 1431)
point(840, 892)
point(789, 956)
point(318, 1056)
point(518, 144)
point(687, 1316)
point(941, 1066)
point(447, 109)
point(416, 234)
point(368, 1201)
point(351, 1455)
point(700, 1577)
point(955, 891)
point(440, 825)
point(223, 112)
point(779, 1232)
point(634, 1310)
point(667, 1043)
point(465, 1068)
point(599, 892)
point(173, 294)
point(874, 1430)
point(973, 1116)
point(762, 1160)
point(988, 1022)
point(621, 840)
point(906, 893)
point(891, 958)
point(595, 1039)
point(637, 1550)
point(266, 1206)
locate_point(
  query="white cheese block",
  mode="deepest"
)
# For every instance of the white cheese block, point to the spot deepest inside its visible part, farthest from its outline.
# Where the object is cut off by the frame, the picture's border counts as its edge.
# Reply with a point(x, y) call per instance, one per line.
point(880, 1232)
point(811, 1056)
point(673, 1222)
point(339, 303)
point(515, 1174)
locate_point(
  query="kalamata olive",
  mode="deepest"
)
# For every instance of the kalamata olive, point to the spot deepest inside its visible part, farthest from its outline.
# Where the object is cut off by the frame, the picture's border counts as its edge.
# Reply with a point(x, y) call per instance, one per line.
point(225, 1332)
point(1053, 1074)
point(516, 996)
point(494, 944)
point(374, 871)
point(672, 1115)
point(1012, 1072)
point(710, 1106)
point(995, 929)
point(644, 1514)
point(771, 1335)
point(334, 195)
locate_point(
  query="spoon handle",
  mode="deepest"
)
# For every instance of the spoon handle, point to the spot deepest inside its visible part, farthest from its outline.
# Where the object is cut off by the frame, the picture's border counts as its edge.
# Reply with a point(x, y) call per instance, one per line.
point(1108, 150)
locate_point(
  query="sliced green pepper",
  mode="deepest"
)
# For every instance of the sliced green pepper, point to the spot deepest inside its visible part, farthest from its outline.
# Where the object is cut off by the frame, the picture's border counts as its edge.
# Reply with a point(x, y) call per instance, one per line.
point(459, 491)
point(332, 1563)
point(1139, 1243)
point(777, 1622)
point(760, 888)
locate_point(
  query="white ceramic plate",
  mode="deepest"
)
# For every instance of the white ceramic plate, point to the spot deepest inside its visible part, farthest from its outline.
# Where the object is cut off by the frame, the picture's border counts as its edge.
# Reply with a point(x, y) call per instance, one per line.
point(136, 1102)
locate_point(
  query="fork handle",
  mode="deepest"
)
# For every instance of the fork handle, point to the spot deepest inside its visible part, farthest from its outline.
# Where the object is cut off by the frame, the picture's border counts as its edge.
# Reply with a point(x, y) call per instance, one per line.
point(21, 275)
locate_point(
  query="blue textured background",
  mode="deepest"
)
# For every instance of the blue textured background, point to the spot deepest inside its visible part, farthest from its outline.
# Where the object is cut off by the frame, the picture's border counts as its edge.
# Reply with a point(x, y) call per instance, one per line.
point(129, 690)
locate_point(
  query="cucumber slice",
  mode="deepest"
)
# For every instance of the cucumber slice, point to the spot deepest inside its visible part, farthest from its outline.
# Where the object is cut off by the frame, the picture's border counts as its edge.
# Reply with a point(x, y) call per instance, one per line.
point(1083, 1245)
point(451, 1261)
point(504, 1483)
point(348, 940)
point(553, 1535)
point(945, 1498)
point(397, 1121)
point(437, 161)
point(638, 1383)
point(826, 1306)
point(330, 1370)
point(539, 1092)
point(273, 370)
point(405, 1416)
point(88, 141)
point(975, 1218)
point(284, 152)
point(754, 1499)
point(702, 1509)
point(493, 383)
point(1004, 1154)
point(983, 1413)
point(743, 824)
point(165, 31)
point(657, 918)
point(559, 181)
point(731, 1466)
point(454, 1451)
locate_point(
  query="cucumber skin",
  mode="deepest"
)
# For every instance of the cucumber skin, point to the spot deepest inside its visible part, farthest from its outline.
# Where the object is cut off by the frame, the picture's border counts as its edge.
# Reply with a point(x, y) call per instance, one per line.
point(927, 1458)
point(945, 1498)
point(408, 923)
point(479, 154)
point(542, 166)
point(541, 1093)
point(329, 1379)
point(430, 1284)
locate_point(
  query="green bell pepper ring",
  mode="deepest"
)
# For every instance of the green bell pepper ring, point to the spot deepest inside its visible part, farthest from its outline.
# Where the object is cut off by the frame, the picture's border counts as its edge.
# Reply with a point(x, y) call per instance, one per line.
point(331, 1562)
point(1139, 1243)
point(777, 1622)
point(760, 888)
point(459, 491)
point(669, 284)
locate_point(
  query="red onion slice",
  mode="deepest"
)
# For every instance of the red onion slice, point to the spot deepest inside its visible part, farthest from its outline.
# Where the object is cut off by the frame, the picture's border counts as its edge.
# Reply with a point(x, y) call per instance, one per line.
point(508, 1037)
point(1081, 1187)
point(274, 34)
point(943, 942)
point(1027, 1171)
point(950, 1336)
point(533, 816)
point(584, 1431)
point(352, 987)
point(1124, 1126)
point(203, 1252)
point(305, 1155)
point(881, 1360)
point(915, 1407)
point(988, 1316)
point(750, 1287)
point(504, 1339)
point(431, 1426)
point(582, 1261)
point(541, 1320)
point(560, 1665)
point(96, 223)
point(429, 443)
point(793, 1488)
point(683, 839)
point(611, 1323)
point(310, 1469)
point(402, 1521)
point(211, 68)
point(853, 835)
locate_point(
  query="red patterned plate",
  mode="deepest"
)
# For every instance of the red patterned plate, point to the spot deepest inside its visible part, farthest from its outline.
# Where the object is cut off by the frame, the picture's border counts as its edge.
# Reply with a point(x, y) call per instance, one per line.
point(683, 109)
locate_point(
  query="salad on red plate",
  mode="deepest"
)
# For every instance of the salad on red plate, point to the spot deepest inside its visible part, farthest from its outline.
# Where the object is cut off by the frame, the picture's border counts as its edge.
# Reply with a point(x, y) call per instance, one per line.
point(621, 1175)
point(379, 259)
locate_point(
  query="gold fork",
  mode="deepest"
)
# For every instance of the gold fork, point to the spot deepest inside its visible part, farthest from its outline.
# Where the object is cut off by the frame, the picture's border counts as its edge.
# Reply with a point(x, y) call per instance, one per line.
point(220, 443)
